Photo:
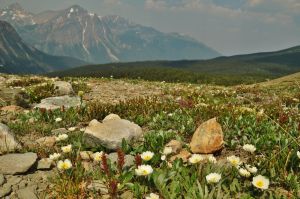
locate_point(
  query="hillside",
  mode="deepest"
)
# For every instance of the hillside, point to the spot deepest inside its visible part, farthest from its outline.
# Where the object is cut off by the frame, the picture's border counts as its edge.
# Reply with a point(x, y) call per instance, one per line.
point(223, 70)
point(18, 57)
point(78, 33)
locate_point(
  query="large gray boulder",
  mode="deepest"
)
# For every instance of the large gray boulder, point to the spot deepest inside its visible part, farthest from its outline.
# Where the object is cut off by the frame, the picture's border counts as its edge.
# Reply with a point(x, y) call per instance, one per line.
point(53, 103)
point(63, 88)
point(111, 132)
point(17, 163)
point(8, 142)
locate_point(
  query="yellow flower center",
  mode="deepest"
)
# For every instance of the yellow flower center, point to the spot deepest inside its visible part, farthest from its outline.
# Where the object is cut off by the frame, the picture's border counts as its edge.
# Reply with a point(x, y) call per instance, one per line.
point(260, 184)
point(145, 172)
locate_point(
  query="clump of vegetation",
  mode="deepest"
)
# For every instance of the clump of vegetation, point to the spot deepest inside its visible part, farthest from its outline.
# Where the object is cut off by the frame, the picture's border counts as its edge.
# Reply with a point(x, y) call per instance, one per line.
point(40, 91)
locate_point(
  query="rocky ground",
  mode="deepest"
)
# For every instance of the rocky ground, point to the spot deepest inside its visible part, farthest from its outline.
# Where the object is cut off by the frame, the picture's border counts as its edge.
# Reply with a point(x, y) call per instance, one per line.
point(82, 119)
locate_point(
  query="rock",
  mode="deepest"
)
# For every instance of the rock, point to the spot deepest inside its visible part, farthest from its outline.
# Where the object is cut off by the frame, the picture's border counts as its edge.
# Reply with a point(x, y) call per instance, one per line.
point(127, 195)
point(98, 185)
point(88, 166)
point(2, 179)
point(27, 193)
point(129, 159)
point(5, 190)
point(184, 155)
point(208, 138)
point(12, 108)
point(63, 88)
point(13, 180)
point(53, 103)
point(14, 96)
point(111, 117)
point(44, 164)
point(8, 142)
point(17, 163)
point(110, 133)
point(85, 155)
point(59, 131)
point(175, 145)
point(48, 141)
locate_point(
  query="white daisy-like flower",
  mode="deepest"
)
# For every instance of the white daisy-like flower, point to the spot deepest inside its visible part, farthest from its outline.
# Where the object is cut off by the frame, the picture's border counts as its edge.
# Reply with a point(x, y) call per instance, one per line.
point(234, 160)
point(82, 129)
point(298, 154)
point(72, 128)
point(97, 156)
point(167, 150)
point(64, 165)
point(148, 155)
point(67, 149)
point(195, 158)
point(212, 159)
point(144, 170)
point(251, 169)
point(58, 119)
point(54, 156)
point(213, 178)
point(61, 137)
point(152, 196)
point(244, 172)
point(163, 157)
point(249, 147)
point(261, 182)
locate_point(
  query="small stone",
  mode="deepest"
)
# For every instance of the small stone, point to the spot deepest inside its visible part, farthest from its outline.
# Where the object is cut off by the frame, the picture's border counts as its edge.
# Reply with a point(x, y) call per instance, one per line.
point(184, 155)
point(127, 195)
point(27, 193)
point(17, 163)
point(59, 131)
point(48, 141)
point(12, 108)
point(44, 164)
point(175, 145)
point(111, 117)
point(22, 184)
point(86, 155)
point(5, 190)
point(13, 180)
point(53, 103)
point(98, 185)
point(63, 88)
point(129, 159)
point(2, 179)
point(88, 166)
point(208, 138)
point(8, 143)
point(110, 133)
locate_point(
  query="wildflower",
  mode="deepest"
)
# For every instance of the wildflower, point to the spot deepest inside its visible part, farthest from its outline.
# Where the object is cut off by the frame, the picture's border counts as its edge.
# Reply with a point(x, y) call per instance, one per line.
point(152, 196)
point(72, 129)
point(121, 159)
point(148, 155)
point(61, 137)
point(54, 156)
point(82, 129)
point(167, 150)
point(244, 172)
point(163, 157)
point(212, 159)
point(58, 119)
point(195, 158)
point(67, 149)
point(234, 160)
point(251, 169)
point(213, 178)
point(105, 167)
point(144, 170)
point(80, 94)
point(97, 156)
point(64, 165)
point(261, 182)
point(249, 147)
point(138, 160)
point(298, 154)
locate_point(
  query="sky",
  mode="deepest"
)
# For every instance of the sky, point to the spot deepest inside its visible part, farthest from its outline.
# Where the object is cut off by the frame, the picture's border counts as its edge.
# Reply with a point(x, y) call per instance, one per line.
point(228, 26)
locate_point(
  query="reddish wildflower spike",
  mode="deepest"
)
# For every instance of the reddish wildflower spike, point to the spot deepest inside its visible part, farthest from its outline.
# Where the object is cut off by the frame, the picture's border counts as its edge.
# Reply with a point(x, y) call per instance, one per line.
point(121, 159)
point(105, 165)
point(138, 160)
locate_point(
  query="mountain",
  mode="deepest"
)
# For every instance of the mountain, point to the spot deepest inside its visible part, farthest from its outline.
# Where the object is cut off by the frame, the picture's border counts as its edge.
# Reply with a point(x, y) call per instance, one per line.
point(77, 33)
point(232, 70)
point(17, 57)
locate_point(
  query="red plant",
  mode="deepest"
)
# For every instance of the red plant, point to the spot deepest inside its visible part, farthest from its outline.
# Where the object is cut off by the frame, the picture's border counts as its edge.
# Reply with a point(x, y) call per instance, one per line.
point(105, 167)
point(283, 118)
point(138, 160)
point(113, 188)
point(121, 159)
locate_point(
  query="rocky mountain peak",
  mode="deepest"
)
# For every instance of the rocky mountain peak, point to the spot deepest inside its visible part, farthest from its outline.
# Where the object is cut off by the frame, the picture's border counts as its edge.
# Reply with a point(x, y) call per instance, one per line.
point(15, 7)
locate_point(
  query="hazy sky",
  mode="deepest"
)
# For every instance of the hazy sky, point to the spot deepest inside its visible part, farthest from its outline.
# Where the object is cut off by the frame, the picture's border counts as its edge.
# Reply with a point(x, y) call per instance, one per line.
point(229, 26)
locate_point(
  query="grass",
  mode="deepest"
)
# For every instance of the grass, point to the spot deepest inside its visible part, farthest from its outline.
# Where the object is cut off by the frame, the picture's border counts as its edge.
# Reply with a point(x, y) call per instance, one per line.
point(266, 117)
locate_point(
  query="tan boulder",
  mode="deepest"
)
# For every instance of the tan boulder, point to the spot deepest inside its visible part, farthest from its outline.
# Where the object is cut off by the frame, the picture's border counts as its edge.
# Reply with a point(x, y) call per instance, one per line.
point(208, 138)
point(184, 155)
point(175, 145)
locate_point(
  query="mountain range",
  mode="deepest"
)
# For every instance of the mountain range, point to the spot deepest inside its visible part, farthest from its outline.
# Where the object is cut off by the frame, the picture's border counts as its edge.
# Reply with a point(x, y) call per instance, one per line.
point(75, 32)
point(18, 57)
